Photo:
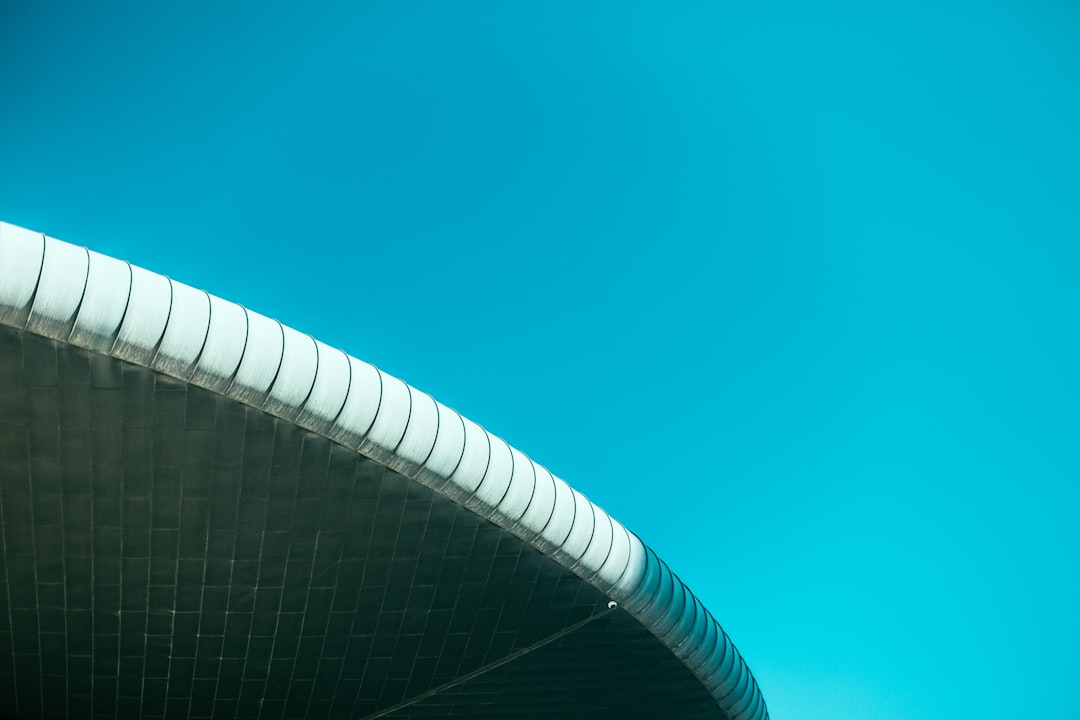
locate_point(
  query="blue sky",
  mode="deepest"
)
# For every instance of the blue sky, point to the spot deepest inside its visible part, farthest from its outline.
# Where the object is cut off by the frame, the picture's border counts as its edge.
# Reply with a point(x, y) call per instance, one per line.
point(790, 289)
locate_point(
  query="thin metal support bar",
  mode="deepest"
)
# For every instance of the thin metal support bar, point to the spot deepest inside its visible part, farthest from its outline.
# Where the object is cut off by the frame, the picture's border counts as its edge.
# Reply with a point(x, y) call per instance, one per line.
point(490, 666)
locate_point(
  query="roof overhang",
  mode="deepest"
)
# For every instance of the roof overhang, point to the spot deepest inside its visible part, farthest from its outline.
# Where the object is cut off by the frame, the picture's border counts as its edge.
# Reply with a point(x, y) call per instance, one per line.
point(206, 512)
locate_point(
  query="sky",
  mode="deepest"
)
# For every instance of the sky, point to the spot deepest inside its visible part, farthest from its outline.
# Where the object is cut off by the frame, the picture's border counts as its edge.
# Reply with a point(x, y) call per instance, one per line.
point(790, 289)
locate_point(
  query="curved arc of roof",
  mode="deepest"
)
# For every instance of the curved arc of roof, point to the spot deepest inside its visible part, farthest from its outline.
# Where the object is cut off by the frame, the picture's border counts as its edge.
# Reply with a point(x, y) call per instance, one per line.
point(77, 296)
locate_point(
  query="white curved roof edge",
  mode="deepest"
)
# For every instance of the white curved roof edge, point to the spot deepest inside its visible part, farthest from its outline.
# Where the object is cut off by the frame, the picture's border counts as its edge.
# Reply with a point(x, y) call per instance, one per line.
point(74, 295)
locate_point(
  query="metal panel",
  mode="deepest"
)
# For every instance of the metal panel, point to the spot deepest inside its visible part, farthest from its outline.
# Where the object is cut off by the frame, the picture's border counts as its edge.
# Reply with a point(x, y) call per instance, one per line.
point(522, 483)
point(618, 558)
point(299, 362)
point(390, 422)
point(718, 674)
point(735, 687)
point(677, 615)
point(448, 449)
point(144, 321)
point(419, 438)
point(361, 404)
point(702, 653)
point(541, 504)
point(599, 546)
point(262, 358)
point(474, 460)
point(497, 477)
point(641, 586)
point(656, 608)
point(108, 284)
point(562, 517)
point(581, 531)
point(328, 393)
point(185, 333)
point(635, 574)
point(751, 706)
point(60, 289)
point(695, 630)
point(22, 252)
point(224, 346)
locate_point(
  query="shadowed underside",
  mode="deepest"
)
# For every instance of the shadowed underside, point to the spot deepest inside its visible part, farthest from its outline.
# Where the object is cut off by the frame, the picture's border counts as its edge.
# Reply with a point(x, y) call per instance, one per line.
point(172, 553)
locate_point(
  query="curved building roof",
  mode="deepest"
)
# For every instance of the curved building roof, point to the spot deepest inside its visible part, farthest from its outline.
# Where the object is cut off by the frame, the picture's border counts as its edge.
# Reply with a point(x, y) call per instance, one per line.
point(208, 514)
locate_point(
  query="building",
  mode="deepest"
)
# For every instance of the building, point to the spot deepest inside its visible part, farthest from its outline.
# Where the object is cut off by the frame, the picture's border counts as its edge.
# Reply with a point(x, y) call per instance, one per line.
point(209, 515)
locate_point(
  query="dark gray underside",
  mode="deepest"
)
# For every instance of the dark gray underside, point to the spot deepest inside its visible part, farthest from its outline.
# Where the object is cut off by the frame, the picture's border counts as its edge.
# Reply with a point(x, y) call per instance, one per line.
point(168, 552)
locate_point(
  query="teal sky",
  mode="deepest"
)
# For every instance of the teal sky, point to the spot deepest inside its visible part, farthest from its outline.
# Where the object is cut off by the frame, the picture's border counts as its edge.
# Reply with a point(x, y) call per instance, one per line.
point(792, 290)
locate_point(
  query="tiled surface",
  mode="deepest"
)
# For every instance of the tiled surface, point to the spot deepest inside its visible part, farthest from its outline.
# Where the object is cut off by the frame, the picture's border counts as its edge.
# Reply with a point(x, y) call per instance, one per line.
point(171, 553)
point(608, 669)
